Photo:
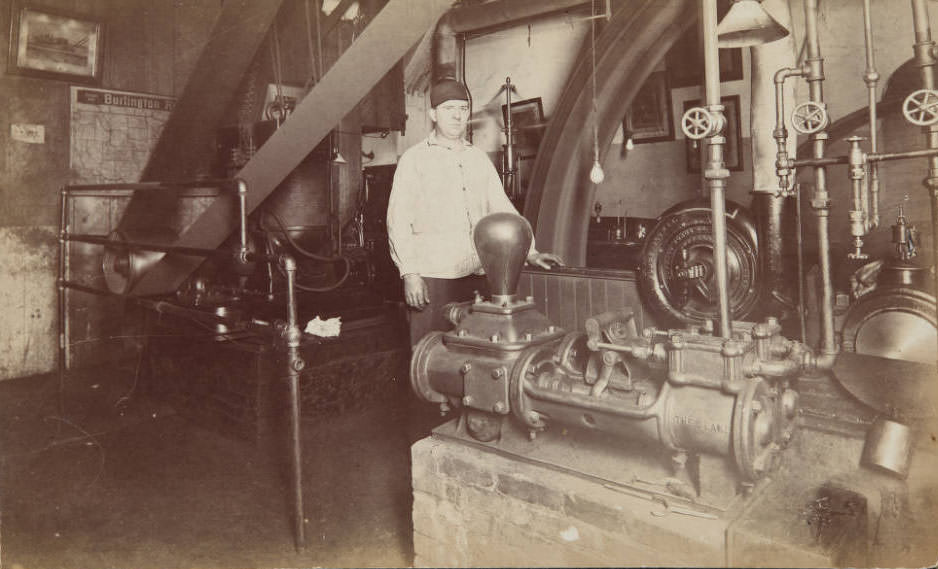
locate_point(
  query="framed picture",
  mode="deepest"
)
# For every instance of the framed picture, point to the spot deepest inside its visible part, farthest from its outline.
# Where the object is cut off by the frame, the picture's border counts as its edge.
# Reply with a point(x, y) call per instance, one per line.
point(527, 125)
point(732, 150)
point(649, 117)
point(56, 46)
point(685, 60)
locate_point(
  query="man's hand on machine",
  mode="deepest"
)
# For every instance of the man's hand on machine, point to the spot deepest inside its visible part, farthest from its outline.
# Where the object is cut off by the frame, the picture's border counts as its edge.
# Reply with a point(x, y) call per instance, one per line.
point(544, 260)
point(416, 293)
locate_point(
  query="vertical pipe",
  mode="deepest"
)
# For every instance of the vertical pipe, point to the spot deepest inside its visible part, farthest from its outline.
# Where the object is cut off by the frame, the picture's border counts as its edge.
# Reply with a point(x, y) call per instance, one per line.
point(821, 202)
point(800, 236)
point(716, 172)
point(294, 366)
point(871, 77)
point(925, 58)
point(319, 63)
point(243, 218)
point(62, 359)
point(508, 176)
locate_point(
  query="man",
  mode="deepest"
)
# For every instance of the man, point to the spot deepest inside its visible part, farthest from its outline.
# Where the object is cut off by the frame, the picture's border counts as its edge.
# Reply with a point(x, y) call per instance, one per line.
point(442, 187)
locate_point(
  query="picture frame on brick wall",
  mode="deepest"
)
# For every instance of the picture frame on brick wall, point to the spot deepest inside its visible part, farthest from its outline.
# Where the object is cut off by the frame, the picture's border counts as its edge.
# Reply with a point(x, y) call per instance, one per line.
point(55, 45)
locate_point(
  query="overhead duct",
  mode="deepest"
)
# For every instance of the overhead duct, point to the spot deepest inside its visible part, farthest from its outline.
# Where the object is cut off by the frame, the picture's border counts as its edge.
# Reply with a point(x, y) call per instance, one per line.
point(771, 208)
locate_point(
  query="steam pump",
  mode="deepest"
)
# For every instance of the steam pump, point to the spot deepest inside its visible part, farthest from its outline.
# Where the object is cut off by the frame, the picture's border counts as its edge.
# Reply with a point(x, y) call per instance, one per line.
point(686, 393)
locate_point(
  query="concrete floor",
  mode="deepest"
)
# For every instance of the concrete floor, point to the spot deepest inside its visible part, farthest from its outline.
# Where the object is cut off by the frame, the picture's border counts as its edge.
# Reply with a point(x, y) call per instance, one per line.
point(96, 474)
point(114, 479)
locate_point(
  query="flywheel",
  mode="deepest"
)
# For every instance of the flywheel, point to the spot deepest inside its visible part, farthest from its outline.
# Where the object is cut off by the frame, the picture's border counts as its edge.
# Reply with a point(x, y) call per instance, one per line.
point(677, 276)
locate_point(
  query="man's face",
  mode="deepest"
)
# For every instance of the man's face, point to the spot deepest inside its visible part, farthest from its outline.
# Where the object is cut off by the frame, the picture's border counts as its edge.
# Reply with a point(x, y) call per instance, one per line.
point(451, 118)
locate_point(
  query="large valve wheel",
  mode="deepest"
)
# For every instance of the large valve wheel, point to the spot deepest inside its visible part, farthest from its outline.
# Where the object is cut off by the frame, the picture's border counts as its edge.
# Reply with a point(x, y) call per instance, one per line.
point(921, 107)
point(697, 123)
point(809, 118)
point(677, 276)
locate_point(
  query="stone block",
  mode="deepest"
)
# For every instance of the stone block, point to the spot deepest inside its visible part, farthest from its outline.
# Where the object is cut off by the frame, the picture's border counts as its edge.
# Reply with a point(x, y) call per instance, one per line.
point(534, 516)
point(522, 488)
point(466, 472)
point(439, 554)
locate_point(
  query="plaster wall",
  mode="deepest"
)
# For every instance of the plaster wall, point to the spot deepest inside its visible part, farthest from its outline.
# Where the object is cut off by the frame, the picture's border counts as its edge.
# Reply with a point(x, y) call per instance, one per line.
point(840, 24)
point(148, 47)
point(651, 177)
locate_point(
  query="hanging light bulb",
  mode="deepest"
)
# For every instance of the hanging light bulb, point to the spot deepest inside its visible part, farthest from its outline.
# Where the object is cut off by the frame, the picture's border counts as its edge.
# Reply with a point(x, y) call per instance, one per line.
point(596, 172)
point(629, 145)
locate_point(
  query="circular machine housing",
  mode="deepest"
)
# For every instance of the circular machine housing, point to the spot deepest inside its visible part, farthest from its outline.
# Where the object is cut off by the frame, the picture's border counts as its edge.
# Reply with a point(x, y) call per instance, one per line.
point(677, 275)
point(895, 323)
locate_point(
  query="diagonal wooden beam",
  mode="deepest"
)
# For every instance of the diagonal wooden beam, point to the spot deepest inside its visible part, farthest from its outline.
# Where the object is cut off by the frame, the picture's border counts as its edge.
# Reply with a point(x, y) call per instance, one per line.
point(190, 132)
point(333, 18)
point(187, 142)
point(394, 30)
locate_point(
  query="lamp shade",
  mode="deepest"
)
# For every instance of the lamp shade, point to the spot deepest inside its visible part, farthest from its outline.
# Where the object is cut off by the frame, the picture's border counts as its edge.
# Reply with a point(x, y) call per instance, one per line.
point(747, 24)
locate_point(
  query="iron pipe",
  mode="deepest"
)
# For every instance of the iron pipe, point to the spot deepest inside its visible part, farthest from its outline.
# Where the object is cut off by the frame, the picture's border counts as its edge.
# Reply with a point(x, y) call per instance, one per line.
point(149, 186)
point(65, 284)
point(243, 219)
point(62, 308)
point(819, 162)
point(294, 364)
point(871, 78)
point(716, 172)
point(821, 202)
point(857, 215)
point(870, 157)
point(925, 59)
point(783, 164)
point(924, 153)
point(508, 176)
point(101, 240)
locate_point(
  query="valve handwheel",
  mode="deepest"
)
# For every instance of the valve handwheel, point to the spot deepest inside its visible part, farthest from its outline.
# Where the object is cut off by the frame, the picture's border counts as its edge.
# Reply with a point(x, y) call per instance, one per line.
point(809, 118)
point(921, 107)
point(697, 123)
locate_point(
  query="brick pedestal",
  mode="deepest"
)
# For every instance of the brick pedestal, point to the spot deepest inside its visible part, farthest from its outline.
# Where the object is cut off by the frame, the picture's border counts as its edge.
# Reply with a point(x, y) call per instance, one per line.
point(474, 507)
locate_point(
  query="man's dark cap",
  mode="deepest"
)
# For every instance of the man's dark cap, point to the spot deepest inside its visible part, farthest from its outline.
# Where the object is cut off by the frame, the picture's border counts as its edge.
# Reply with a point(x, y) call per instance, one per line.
point(447, 90)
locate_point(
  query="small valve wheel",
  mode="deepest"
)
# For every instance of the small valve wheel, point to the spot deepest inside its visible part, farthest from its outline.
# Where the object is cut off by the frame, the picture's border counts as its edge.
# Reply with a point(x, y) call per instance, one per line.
point(697, 123)
point(809, 118)
point(921, 107)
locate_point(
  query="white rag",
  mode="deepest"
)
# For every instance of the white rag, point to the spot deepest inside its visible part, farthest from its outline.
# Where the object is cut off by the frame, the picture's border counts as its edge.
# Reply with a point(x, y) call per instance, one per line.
point(324, 328)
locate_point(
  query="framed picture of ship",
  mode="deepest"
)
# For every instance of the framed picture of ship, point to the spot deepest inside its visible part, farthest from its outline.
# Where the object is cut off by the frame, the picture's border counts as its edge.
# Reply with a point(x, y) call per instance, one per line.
point(56, 46)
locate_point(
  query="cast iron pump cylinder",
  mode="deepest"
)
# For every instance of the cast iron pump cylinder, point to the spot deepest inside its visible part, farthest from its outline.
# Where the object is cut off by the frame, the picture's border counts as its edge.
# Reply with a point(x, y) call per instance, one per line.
point(689, 391)
point(469, 366)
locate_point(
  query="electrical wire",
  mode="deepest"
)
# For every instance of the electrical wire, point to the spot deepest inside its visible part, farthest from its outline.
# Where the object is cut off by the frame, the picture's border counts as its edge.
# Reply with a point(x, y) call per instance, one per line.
point(294, 244)
point(308, 254)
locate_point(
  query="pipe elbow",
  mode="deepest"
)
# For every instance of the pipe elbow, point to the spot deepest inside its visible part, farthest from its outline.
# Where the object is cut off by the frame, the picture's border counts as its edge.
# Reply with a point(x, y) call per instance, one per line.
point(784, 73)
point(821, 362)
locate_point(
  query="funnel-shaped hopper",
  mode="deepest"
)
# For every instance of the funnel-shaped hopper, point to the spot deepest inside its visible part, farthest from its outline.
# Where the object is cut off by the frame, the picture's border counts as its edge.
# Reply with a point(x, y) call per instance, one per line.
point(502, 242)
point(748, 24)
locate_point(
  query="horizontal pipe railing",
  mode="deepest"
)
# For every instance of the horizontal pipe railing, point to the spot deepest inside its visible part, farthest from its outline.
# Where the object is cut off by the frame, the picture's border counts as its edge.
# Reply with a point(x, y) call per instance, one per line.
point(188, 184)
point(104, 240)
